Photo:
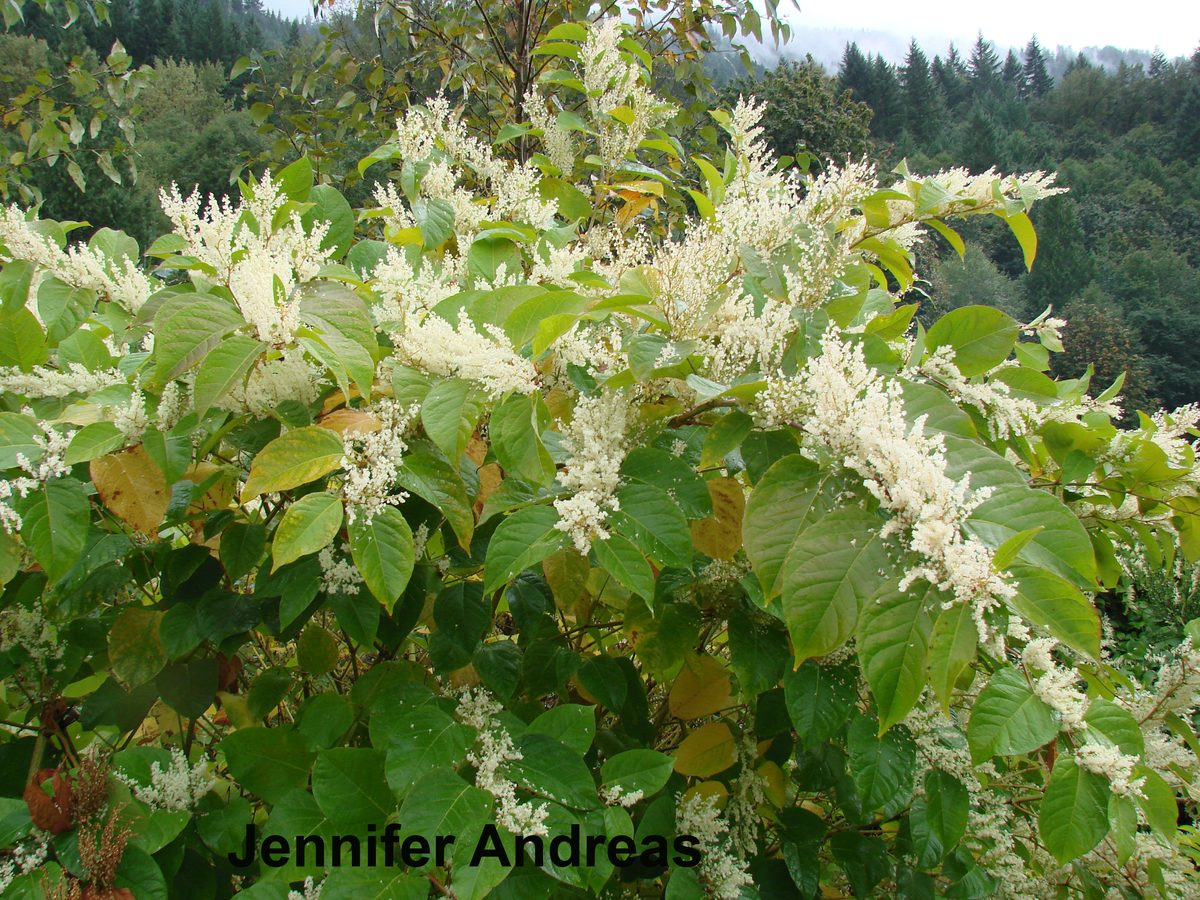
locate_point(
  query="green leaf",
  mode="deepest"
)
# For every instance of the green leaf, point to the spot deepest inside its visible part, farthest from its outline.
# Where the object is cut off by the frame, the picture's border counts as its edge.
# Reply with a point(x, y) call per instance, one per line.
point(330, 206)
point(883, 765)
point(424, 740)
point(1062, 545)
point(16, 276)
point(831, 565)
point(424, 472)
point(820, 699)
point(982, 337)
point(1116, 724)
point(54, 525)
point(952, 647)
point(522, 540)
point(1008, 718)
point(1073, 817)
point(671, 474)
point(1158, 802)
point(349, 786)
point(268, 762)
point(449, 413)
point(62, 308)
point(187, 330)
point(295, 179)
point(626, 564)
point(22, 341)
point(373, 884)
point(550, 769)
point(1058, 606)
point(938, 819)
point(522, 324)
point(893, 641)
point(758, 651)
point(223, 368)
point(242, 547)
point(135, 650)
point(91, 441)
point(17, 437)
point(1023, 231)
point(725, 436)
point(571, 724)
point(442, 803)
point(653, 523)
point(435, 221)
point(515, 428)
point(486, 255)
point(637, 770)
point(307, 526)
point(340, 334)
point(382, 549)
point(293, 459)
point(786, 500)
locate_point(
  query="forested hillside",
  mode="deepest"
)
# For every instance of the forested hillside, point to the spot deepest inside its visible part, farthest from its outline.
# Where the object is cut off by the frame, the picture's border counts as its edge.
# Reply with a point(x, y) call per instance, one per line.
point(1119, 256)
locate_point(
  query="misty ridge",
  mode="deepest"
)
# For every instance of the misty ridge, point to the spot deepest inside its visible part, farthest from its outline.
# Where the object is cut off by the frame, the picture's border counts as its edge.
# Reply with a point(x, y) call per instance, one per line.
point(826, 46)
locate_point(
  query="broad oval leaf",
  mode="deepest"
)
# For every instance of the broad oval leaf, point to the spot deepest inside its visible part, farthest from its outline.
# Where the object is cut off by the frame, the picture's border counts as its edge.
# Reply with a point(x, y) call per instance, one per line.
point(1008, 718)
point(1073, 817)
point(293, 459)
point(522, 540)
point(309, 525)
point(382, 549)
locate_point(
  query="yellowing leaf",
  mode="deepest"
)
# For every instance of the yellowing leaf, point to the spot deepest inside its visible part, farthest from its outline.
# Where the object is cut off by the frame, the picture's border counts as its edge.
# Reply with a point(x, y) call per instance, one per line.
point(720, 535)
point(567, 573)
point(219, 491)
point(701, 688)
point(132, 487)
point(293, 459)
point(774, 783)
point(706, 751)
point(706, 790)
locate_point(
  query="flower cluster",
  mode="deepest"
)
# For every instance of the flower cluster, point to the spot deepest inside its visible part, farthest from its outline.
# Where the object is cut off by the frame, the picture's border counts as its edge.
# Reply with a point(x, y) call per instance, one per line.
point(27, 855)
point(723, 871)
point(434, 127)
point(259, 259)
point(83, 267)
point(847, 409)
point(49, 464)
point(180, 786)
point(595, 439)
point(371, 460)
point(436, 346)
point(611, 81)
point(492, 752)
point(338, 574)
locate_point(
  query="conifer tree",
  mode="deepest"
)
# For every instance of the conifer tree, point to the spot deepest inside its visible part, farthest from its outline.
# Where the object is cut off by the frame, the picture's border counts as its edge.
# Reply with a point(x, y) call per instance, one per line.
point(886, 98)
point(984, 66)
point(922, 100)
point(1037, 79)
point(855, 72)
point(1013, 72)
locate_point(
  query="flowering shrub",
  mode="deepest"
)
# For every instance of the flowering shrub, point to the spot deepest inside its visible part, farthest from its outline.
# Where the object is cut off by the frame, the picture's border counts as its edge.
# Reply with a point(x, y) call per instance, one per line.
point(611, 493)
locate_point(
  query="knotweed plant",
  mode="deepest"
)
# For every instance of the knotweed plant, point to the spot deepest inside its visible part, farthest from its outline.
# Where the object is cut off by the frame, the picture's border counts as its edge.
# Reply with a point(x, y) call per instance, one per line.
point(580, 485)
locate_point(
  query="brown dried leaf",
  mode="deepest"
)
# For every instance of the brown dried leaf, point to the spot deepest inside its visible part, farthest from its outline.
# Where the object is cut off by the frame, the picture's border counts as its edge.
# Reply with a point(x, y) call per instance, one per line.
point(353, 420)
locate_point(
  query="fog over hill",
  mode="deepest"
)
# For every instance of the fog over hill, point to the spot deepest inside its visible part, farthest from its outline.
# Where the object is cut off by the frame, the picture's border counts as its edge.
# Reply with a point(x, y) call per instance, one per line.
point(826, 46)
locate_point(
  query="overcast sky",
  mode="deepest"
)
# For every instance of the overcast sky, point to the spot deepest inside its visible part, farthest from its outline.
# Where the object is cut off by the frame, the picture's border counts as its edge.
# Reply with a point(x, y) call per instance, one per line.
point(1171, 25)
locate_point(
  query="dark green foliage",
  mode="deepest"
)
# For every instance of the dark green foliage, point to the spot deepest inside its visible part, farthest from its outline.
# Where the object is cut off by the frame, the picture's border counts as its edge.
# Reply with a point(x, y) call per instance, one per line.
point(1037, 80)
point(808, 112)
